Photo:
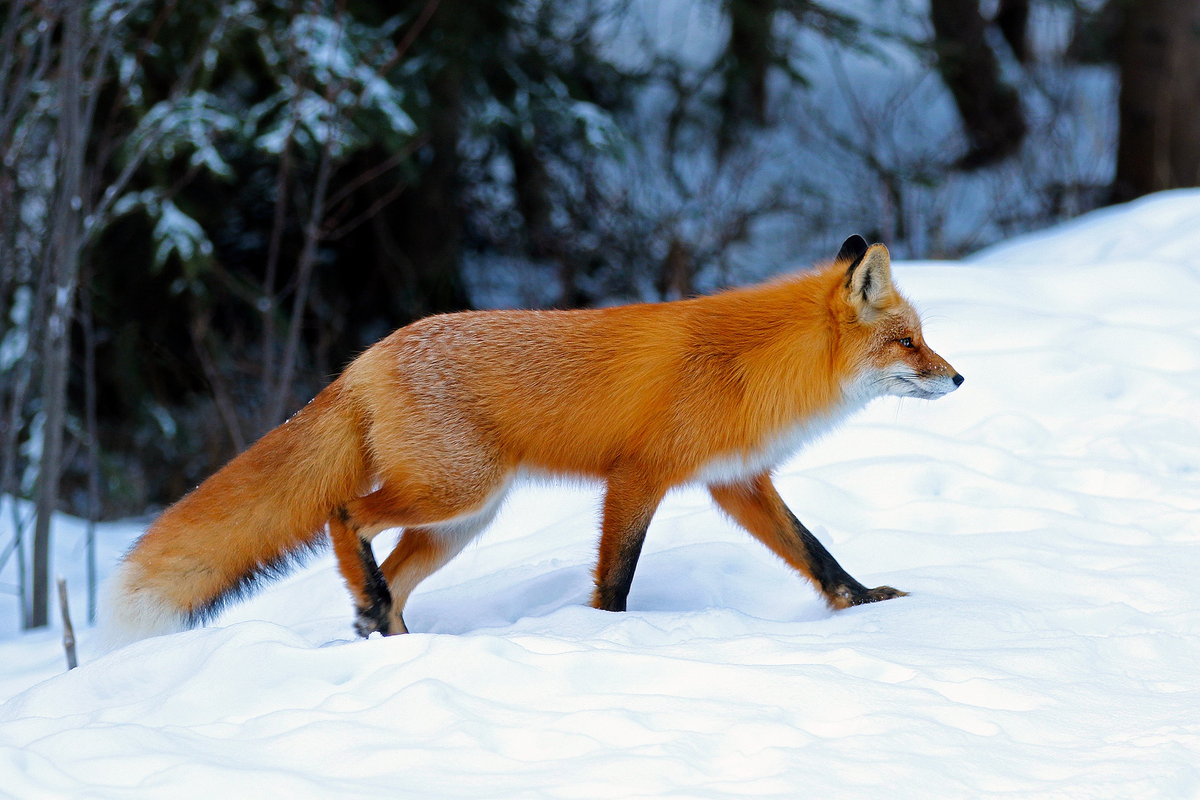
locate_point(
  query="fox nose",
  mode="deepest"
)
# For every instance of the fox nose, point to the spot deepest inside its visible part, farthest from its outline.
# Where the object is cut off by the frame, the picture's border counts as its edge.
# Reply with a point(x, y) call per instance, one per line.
point(958, 380)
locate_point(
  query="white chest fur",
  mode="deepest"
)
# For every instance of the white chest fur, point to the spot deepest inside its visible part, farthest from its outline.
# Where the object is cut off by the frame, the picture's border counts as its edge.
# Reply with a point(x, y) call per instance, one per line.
point(738, 466)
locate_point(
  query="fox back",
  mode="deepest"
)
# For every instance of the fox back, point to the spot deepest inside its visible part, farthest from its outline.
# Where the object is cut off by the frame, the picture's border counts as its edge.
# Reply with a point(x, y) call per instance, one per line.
point(710, 387)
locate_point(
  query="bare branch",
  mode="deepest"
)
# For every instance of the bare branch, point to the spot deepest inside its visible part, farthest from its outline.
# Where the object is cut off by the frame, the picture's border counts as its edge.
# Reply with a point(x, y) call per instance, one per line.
point(8, 47)
point(35, 64)
point(379, 204)
point(308, 257)
point(383, 166)
point(268, 300)
point(410, 37)
point(226, 408)
point(99, 216)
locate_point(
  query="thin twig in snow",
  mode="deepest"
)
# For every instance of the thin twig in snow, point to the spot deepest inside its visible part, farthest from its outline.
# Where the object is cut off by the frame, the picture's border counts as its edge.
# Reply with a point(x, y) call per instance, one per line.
point(68, 635)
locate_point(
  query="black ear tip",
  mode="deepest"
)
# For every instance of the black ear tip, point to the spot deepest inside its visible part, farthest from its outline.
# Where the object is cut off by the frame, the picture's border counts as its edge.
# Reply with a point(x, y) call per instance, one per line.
point(853, 249)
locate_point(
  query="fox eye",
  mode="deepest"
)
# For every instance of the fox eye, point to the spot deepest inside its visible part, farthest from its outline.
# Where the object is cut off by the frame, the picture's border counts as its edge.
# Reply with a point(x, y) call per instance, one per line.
point(907, 342)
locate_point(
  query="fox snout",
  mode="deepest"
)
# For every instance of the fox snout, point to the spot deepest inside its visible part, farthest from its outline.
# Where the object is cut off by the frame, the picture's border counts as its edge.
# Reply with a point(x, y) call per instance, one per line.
point(953, 379)
point(929, 387)
point(941, 380)
point(927, 376)
point(947, 372)
point(934, 377)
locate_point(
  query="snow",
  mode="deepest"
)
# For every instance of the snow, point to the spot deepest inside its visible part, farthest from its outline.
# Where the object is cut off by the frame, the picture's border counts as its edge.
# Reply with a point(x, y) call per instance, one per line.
point(1044, 518)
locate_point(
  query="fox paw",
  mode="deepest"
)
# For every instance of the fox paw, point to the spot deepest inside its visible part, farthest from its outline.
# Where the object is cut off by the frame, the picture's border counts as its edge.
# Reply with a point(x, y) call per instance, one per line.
point(877, 594)
point(369, 620)
point(845, 596)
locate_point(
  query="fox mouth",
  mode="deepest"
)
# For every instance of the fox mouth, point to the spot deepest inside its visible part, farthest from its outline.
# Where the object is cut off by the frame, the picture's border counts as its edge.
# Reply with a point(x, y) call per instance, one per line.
point(909, 387)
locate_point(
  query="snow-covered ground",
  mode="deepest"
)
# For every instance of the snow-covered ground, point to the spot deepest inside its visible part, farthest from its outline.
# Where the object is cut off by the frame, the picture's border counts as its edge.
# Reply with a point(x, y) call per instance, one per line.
point(1044, 517)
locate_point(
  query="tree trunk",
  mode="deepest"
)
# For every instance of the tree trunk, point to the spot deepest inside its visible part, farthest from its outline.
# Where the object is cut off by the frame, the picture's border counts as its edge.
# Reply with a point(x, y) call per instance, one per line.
point(747, 58)
point(675, 275)
point(1012, 18)
point(8, 241)
point(93, 436)
point(428, 217)
point(64, 263)
point(1159, 57)
point(531, 184)
point(990, 109)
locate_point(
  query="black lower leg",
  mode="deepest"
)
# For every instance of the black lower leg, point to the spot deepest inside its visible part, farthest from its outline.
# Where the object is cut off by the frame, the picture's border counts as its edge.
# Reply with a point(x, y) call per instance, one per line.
point(612, 588)
point(835, 582)
point(373, 616)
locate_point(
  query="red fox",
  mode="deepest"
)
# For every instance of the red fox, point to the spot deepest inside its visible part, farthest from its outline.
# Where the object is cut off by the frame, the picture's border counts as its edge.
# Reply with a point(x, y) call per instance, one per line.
point(427, 430)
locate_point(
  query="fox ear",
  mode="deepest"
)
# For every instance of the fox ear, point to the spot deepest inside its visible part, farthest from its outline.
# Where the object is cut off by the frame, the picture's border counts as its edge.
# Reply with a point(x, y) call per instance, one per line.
point(869, 279)
point(852, 250)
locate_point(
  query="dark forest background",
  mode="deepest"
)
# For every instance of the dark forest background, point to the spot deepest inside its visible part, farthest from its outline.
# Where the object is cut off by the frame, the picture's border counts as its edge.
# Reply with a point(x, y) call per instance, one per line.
point(208, 208)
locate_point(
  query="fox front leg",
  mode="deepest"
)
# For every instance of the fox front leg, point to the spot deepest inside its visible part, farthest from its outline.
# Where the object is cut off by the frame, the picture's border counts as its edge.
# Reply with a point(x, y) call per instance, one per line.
point(757, 507)
point(629, 505)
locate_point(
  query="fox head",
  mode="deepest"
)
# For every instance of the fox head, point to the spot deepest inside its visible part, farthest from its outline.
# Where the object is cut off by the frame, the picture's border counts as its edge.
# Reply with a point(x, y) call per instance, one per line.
point(884, 330)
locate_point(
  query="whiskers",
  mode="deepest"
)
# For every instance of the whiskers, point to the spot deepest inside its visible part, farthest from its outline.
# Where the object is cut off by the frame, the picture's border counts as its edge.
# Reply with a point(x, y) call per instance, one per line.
point(905, 383)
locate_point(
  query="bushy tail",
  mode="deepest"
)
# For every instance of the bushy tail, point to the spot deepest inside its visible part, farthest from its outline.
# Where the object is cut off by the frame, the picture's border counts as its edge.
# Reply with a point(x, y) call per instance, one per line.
point(244, 522)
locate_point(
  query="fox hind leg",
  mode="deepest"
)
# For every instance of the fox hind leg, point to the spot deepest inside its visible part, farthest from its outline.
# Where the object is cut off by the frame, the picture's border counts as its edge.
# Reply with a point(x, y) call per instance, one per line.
point(396, 505)
point(424, 550)
point(353, 526)
point(372, 600)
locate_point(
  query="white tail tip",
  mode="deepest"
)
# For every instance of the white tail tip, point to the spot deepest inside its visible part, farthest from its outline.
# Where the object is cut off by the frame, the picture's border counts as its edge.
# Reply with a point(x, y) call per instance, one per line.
point(130, 610)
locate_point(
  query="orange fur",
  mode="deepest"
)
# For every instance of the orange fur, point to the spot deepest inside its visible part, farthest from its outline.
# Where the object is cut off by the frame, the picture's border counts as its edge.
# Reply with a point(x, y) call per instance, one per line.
point(425, 431)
